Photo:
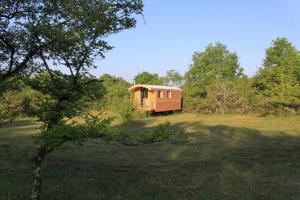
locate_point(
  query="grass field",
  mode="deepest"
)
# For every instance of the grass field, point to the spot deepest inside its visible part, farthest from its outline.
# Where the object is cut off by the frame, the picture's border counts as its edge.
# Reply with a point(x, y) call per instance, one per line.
point(229, 157)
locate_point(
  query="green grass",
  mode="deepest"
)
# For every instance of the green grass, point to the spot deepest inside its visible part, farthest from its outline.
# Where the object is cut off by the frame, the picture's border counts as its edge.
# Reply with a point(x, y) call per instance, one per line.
point(229, 157)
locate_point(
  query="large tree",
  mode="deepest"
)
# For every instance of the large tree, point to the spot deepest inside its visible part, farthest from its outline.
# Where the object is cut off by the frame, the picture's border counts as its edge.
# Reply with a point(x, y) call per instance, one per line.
point(116, 91)
point(37, 30)
point(278, 81)
point(173, 78)
point(148, 78)
point(216, 62)
point(36, 35)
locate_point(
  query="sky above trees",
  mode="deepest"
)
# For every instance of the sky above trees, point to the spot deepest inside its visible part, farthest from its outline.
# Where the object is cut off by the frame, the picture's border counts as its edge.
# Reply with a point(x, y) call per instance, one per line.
point(174, 30)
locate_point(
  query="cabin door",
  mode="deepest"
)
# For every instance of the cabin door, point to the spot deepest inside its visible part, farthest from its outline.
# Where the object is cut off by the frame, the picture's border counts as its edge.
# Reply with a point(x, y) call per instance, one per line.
point(144, 97)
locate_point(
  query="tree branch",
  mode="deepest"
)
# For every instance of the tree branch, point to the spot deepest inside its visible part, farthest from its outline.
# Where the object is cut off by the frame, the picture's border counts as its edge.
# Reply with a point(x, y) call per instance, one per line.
point(47, 67)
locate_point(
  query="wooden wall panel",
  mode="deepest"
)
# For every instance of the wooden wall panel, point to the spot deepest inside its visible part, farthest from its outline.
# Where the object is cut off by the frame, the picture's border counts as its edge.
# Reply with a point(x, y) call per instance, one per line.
point(168, 104)
point(156, 104)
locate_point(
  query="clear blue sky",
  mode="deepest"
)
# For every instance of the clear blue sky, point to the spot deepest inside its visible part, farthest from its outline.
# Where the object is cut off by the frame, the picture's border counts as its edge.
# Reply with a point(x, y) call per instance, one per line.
point(175, 29)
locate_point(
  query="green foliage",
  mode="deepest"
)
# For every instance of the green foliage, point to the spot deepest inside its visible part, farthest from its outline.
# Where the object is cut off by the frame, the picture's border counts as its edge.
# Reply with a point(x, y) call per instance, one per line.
point(230, 96)
point(173, 78)
point(18, 101)
point(97, 126)
point(3, 116)
point(214, 82)
point(123, 107)
point(29, 102)
point(117, 98)
point(67, 31)
point(161, 132)
point(148, 78)
point(11, 84)
point(11, 105)
point(224, 96)
point(278, 80)
point(60, 99)
point(94, 127)
point(216, 62)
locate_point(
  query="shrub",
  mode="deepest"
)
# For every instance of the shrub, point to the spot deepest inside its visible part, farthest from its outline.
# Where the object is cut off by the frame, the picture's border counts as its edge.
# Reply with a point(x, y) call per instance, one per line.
point(11, 104)
point(3, 116)
point(223, 96)
point(162, 132)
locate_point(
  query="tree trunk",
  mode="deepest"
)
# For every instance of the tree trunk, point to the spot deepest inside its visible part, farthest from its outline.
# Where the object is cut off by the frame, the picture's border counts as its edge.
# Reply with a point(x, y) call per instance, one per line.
point(37, 180)
point(36, 171)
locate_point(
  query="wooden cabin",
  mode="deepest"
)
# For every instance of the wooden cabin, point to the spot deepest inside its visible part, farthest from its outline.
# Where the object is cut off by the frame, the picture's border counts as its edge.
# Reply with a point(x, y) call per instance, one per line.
point(156, 98)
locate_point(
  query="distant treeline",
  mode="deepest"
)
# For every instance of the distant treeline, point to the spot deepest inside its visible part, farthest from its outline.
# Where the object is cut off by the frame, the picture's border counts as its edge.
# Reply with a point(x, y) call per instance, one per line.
point(213, 84)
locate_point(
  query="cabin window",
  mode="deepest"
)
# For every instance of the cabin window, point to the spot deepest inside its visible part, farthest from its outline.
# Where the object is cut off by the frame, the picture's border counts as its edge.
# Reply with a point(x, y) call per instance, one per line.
point(144, 94)
point(169, 95)
point(159, 94)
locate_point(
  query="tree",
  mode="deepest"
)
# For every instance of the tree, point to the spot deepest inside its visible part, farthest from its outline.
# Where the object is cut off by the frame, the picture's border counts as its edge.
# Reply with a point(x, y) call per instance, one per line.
point(117, 98)
point(224, 96)
point(62, 102)
point(10, 100)
point(16, 99)
point(37, 34)
point(58, 108)
point(278, 80)
point(216, 62)
point(11, 105)
point(173, 78)
point(148, 78)
point(69, 34)
point(29, 29)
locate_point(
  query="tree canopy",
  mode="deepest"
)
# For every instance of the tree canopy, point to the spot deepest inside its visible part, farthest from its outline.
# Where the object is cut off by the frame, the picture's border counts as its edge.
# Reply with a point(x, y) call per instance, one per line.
point(116, 91)
point(38, 35)
point(216, 62)
point(172, 78)
point(148, 78)
point(278, 79)
point(69, 32)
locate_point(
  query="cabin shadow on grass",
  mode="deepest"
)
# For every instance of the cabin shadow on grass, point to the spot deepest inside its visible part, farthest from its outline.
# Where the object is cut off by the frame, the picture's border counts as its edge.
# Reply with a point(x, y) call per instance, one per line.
point(220, 162)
